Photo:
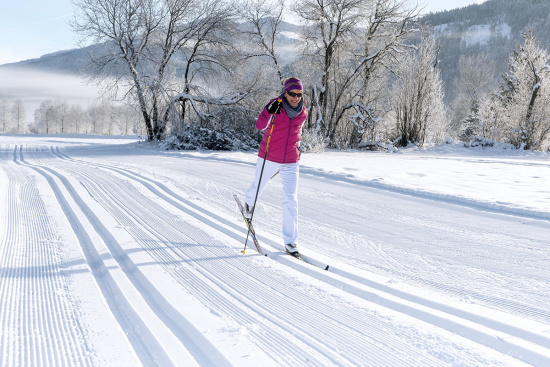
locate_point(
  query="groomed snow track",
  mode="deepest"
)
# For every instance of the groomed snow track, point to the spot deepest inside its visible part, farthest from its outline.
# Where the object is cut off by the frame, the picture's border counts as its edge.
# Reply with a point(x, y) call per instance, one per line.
point(178, 291)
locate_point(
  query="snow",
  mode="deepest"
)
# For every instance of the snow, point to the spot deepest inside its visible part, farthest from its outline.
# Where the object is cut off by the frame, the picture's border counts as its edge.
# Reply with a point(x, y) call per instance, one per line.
point(113, 252)
point(291, 35)
point(482, 34)
point(33, 87)
point(478, 34)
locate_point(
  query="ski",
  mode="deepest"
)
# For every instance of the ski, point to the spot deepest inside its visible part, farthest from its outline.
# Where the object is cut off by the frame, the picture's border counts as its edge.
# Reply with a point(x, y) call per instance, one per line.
point(295, 255)
point(298, 256)
point(249, 226)
point(257, 244)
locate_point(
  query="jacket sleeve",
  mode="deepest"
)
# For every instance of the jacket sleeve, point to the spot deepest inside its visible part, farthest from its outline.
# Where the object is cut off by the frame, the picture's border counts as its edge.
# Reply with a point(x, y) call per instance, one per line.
point(262, 122)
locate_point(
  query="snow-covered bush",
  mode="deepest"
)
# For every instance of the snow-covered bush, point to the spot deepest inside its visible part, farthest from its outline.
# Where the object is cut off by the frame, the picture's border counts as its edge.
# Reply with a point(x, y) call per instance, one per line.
point(376, 146)
point(482, 142)
point(313, 142)
point(193, 137)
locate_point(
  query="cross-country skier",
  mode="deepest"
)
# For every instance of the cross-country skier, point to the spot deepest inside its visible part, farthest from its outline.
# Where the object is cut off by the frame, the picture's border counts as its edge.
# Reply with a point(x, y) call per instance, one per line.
point(282, 155)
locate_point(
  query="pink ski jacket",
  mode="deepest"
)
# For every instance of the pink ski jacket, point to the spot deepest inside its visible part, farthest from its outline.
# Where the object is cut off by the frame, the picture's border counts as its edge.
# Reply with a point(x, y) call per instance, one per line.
point(286, 136)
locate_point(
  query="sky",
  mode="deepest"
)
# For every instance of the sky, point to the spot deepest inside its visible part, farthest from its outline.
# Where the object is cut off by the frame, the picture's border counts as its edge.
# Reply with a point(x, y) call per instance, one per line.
point(32, 28)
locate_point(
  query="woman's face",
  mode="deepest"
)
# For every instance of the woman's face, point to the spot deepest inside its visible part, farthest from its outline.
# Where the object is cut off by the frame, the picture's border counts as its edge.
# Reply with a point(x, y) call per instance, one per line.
point(293, 100)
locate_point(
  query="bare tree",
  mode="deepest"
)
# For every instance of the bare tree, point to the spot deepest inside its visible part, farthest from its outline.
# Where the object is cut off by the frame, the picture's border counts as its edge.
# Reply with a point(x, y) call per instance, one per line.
point(94, 118)
point(19, 116)
point(45, 117)
point(477, 73)
point(78, 118)
point(419, 105)
point(126, 119)
point(348, 41)
point(4, 115)
point(207, 54)
point(519, 111)
point(330, 24)
point(264, 18)
point(141, 39)
point(61, 114)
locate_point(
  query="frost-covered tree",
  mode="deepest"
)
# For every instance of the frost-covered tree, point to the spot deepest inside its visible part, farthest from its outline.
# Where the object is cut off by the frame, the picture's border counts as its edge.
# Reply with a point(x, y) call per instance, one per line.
point(142, 38)
point(78, 119)
point(530, 67)
point(62, 115)
point(264, 19)
point(4, 115)
point(419, 111)
point(127, 118)
point(488, 125)
point(45, 118)
point(476, 76)
point(52, 117)
point(102, 117)
point(19, 116)
point(519, 111)
point(347, 42)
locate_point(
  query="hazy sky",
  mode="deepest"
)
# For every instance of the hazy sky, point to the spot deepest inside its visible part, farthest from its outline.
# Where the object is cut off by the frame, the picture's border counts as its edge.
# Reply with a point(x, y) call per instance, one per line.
point(32, 28)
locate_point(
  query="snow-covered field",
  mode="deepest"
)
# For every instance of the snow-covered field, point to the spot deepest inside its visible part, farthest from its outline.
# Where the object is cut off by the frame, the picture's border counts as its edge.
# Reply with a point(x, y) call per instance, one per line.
point(113, 253)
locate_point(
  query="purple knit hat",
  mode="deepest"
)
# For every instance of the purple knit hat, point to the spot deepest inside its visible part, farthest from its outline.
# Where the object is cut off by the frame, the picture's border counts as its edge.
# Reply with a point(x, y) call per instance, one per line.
point(293, 83)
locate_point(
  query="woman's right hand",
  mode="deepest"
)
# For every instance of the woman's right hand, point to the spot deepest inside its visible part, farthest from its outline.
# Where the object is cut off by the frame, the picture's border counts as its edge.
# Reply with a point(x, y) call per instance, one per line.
point(274, 107)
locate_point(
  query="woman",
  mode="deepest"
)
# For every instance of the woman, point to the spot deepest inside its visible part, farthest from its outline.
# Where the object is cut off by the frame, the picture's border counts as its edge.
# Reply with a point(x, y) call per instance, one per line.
point(282, 155)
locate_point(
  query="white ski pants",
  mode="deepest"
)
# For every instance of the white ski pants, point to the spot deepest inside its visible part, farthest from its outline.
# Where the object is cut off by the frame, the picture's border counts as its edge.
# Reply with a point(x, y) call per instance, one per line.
point(289, 176)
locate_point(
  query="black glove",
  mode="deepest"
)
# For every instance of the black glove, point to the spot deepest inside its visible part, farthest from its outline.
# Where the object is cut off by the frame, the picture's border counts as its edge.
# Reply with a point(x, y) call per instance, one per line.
point(275, 106)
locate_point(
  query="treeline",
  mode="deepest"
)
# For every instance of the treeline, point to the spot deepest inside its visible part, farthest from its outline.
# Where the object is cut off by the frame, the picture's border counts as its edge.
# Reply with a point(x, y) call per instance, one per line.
point(516, 13)
point(57, 116)
point(12, 116)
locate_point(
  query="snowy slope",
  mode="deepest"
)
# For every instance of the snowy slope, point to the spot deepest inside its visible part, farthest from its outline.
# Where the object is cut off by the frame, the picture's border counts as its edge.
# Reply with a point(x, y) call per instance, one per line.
point(480, 34)
point(114, 253)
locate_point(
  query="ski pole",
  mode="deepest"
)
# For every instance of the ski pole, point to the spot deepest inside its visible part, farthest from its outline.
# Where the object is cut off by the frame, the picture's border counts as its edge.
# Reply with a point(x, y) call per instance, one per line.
point(272, 122)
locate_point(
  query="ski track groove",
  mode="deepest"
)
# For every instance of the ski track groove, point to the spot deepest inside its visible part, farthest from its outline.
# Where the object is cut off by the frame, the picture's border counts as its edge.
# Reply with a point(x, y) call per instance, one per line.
point(202, 289)
point(32, 282)
point(331, 325)
point(120, 252)
point(506, 304)
point(492, 301)
point(117, 195)
point(139, 336)
point(129, 174)
point(296, 351)
point(196, 285)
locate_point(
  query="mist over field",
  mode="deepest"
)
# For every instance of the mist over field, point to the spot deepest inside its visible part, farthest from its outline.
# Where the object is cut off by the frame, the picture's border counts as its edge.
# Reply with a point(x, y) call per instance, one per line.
point(33, 87)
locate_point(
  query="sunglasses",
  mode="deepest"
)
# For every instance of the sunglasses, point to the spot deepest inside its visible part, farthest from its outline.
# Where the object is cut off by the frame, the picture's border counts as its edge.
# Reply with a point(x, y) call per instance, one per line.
point(292, 94)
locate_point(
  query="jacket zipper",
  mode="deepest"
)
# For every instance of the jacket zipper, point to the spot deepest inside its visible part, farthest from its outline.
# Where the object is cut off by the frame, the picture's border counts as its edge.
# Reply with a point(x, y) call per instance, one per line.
point(287, 137)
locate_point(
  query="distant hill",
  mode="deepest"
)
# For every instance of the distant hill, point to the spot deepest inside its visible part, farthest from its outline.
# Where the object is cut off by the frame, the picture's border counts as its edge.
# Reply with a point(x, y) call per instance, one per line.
point(493, 27)
point(67, 62)
point(74, 61)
